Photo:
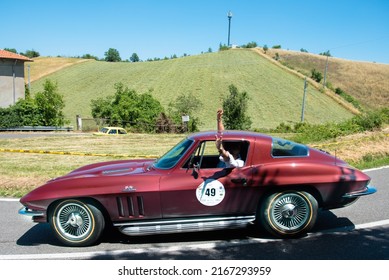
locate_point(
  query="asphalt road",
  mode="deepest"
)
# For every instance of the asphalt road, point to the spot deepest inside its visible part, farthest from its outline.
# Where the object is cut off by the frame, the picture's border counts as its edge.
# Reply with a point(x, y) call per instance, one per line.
point(357, 232)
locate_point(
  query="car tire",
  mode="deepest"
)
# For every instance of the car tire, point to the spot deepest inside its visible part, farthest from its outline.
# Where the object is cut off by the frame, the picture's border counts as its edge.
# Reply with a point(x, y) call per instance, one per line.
point(288, 213)
point(76, 223)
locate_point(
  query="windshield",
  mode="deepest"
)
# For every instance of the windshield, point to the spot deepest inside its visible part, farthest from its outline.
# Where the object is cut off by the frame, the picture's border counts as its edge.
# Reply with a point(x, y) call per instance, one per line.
point(174, 155)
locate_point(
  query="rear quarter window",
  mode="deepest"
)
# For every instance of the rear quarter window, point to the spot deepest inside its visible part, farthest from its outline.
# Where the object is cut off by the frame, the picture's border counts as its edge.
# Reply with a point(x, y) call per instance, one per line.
point(286, 148)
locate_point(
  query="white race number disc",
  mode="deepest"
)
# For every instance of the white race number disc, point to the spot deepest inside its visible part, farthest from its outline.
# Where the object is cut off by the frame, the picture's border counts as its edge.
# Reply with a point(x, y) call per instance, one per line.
point(210, 193)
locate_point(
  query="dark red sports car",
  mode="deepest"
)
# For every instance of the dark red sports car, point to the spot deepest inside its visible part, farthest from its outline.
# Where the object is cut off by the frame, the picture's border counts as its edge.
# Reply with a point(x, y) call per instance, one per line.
point(281, 186)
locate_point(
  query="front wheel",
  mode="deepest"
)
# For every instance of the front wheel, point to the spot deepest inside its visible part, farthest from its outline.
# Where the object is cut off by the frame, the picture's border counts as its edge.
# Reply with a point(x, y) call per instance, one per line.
point(76, 223)
point(289, 213)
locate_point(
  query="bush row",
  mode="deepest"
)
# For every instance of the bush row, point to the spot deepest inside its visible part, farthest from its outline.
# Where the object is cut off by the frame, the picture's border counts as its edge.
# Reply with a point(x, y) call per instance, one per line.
point(308, 133)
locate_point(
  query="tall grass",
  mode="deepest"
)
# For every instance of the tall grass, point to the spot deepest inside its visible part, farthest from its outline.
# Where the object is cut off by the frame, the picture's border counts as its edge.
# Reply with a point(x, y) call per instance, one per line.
point(365, 81)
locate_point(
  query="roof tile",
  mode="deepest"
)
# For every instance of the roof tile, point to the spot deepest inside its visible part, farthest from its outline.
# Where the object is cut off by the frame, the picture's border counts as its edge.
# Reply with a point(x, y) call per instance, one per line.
point(11, 55)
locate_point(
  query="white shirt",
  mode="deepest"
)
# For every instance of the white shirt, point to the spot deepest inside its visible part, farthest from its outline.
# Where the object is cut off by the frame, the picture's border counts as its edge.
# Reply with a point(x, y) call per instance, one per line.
point(231, 162)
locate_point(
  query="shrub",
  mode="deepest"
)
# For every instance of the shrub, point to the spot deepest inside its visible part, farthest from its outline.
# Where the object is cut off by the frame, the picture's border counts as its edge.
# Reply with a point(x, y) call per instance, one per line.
point(316, 75)
point(348, 98)
point(250, 45)
point(44, 109)
point(307, 133)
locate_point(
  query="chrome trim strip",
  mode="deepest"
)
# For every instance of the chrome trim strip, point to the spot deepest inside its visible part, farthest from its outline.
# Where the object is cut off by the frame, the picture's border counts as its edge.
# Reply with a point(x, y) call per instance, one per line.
point(28, 212)
point(369, 190)
point(181, 220)
point(184, 225)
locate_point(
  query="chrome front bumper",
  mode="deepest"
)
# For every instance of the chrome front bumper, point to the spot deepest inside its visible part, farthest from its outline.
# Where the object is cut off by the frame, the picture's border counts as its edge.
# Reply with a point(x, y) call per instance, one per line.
point(369, 190)
point(28, 212)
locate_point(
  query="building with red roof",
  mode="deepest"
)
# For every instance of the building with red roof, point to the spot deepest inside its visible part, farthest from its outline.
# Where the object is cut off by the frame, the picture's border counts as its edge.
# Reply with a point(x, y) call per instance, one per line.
point(11, 77)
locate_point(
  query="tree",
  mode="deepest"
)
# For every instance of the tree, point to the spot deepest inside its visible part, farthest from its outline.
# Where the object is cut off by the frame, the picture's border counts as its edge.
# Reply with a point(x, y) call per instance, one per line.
point(186, 104)
point(134, 58)
point(235, 108)
point(327, 53)
point(32, 53)
point(112, 55)
point(265, 48)
point(13, 50)
point(223, 47)
point(128, 108)
point(50, 104)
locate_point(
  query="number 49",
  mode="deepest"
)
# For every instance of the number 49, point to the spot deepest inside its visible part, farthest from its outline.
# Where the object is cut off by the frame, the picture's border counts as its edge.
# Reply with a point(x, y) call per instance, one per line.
point(210, 192)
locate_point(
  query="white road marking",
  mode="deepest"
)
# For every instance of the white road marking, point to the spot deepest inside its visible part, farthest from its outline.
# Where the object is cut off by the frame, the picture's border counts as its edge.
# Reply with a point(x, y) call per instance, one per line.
point(5, 199)
point(374, 169)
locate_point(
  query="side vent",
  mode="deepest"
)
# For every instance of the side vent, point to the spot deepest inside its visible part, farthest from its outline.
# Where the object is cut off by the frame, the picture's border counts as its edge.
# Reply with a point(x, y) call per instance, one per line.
point(129, 207)
point(140, 205)
point(120, 206)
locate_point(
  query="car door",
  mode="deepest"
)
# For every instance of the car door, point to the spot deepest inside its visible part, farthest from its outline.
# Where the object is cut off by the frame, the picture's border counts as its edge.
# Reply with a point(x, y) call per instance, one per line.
point(199, 187)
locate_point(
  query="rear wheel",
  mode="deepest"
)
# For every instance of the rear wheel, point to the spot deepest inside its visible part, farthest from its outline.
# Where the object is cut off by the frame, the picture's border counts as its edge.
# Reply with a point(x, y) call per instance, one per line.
point(76, 223)
point(289, 213)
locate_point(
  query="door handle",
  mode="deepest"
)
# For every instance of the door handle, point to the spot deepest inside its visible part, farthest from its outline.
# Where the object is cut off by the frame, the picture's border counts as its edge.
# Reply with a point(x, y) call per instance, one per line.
point(242, 181)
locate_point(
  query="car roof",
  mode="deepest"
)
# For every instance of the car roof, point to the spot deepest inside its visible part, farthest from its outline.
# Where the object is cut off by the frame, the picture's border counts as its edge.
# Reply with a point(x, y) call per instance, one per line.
point(231, 134)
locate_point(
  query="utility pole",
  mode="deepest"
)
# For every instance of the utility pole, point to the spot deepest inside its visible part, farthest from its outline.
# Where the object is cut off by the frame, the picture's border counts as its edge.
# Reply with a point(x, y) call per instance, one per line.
point(325, 73)
point(305, 93)
point(29, 82)
point(229, 15)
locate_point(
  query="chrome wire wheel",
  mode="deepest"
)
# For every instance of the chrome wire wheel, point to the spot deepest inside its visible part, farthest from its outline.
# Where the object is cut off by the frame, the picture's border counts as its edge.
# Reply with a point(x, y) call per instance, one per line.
point(289, 213)
point(76, 223)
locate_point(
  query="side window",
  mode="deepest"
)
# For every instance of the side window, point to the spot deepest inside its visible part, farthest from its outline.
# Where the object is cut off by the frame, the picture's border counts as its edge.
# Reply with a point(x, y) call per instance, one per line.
point(207, 156)
point(284, 148)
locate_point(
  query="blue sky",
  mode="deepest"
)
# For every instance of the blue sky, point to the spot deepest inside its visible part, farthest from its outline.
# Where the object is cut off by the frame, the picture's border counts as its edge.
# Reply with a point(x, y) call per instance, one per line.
point(355, 30)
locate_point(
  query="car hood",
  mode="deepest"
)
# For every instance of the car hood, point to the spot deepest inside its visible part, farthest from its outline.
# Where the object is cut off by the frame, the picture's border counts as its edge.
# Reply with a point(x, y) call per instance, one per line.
point(110, 168)
point(88, 180)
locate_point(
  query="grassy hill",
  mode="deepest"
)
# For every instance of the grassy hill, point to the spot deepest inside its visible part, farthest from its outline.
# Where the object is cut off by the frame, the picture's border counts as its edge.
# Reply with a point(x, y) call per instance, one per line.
point(44, 66)
point(276, 95)
point(366, 81)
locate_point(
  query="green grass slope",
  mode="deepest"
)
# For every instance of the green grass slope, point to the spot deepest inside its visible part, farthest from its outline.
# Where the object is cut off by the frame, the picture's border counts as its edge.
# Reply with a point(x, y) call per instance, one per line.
point(275, 95)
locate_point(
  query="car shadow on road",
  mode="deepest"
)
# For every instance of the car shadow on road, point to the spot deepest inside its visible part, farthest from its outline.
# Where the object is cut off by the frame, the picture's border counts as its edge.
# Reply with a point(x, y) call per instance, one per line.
point(37, 235)
point(42, 234)
point(334, 238)
point(248, 243)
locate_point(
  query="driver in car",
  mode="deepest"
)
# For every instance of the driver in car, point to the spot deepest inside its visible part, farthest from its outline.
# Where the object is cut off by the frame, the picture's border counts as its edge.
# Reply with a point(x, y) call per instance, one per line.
point(229, 151)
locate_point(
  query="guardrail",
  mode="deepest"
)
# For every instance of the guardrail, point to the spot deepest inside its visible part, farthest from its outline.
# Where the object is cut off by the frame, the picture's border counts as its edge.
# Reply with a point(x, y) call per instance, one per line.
point(38, 128)
point(76, 153)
